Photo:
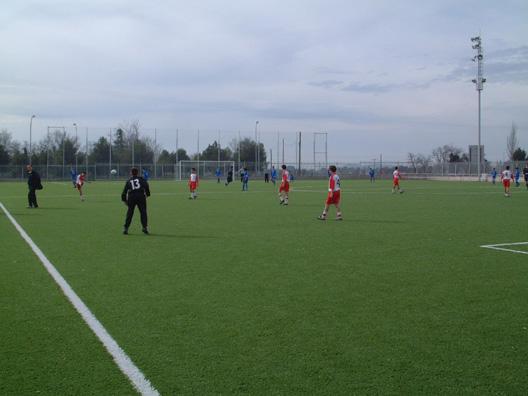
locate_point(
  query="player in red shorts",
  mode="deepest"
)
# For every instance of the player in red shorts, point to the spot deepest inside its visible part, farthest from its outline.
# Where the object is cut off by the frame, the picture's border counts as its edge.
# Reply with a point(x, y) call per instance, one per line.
point(396, 176)
point(193, 183)
point(506, 177)
point(284, 188)
point(79, 183)
point(334, 194)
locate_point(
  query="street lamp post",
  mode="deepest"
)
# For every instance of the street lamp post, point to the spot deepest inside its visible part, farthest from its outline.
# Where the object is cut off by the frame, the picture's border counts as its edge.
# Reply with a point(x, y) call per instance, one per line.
point(76, 153)
point(479, 84)
point(256, 146)
point(31, 138)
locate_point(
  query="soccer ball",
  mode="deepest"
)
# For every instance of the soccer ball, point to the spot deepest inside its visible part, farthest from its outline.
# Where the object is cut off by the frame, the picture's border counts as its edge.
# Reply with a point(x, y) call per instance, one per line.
point(113, 172)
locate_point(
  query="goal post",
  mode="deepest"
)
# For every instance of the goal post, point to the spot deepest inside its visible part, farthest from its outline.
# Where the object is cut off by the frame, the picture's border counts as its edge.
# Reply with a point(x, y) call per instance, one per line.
point(204, 169)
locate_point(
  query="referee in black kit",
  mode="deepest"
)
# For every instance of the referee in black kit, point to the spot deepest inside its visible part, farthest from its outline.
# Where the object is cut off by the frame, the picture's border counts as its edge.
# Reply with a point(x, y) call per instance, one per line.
point(135, 193)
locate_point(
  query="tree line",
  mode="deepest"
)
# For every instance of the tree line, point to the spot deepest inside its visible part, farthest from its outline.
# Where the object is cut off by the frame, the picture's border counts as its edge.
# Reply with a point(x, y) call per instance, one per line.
point(449, 153)
point(127, 145)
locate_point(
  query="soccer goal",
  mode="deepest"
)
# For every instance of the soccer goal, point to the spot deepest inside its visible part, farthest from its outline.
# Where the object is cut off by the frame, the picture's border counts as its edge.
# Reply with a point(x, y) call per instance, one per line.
point(205, 169)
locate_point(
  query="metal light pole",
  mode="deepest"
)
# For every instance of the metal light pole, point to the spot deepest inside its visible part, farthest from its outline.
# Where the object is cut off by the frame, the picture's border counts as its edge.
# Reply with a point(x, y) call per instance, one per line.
point(47, 154)
point(283, 161)
point(324, 135)
point(63, 151)
point(238, 151)
point(300, 147)
point(218, 147)
point(198, 149)
point(479, 84)
point(31, 138)
point(76, 153)
point(256, 145)
point(86, 155)
point(110, 153)
point(177, 133)
point(278, 149)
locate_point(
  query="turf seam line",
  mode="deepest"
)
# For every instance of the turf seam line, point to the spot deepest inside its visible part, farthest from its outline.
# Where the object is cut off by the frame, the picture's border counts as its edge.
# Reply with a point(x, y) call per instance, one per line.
point(122, 360)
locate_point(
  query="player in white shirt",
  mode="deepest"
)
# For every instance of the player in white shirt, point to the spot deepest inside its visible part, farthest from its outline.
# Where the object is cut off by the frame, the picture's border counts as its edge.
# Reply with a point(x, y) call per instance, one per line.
point(334, 194)
point(284, 188)
point(396, 180)
point(193, 183)
point(506, 177)
point(79, 183)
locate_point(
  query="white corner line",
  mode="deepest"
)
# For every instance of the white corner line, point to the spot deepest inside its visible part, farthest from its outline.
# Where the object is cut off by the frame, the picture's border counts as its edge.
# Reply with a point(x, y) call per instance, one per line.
point(506, 244)
point(498, 247)
point(125, 364)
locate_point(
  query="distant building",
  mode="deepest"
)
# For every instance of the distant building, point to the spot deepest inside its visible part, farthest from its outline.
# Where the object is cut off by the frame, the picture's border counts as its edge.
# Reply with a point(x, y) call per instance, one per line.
point(473, 153)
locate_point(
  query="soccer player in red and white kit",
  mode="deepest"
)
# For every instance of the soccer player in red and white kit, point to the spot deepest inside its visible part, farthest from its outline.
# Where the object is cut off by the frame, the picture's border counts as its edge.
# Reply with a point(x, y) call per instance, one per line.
point(396, 176)
point(193, 183)
point(284, 187)
point(79, 183)
point(506, 177)
point(334, 194)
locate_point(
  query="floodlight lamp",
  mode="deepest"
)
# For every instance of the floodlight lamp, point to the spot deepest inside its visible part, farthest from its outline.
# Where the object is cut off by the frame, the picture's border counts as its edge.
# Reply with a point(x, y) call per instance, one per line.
point(475, 81)
point(476, 46)
point(483, 80)
point(476, 38)
point(480, 57)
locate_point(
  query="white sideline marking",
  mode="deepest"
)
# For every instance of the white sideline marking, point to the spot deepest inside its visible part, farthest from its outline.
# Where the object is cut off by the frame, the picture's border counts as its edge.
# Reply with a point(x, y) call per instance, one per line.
point(497, 246)
point(125, 364)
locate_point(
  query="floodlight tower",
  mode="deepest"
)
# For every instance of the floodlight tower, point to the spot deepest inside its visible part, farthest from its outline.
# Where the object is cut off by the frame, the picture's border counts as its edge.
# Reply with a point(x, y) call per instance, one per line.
point(479, 83)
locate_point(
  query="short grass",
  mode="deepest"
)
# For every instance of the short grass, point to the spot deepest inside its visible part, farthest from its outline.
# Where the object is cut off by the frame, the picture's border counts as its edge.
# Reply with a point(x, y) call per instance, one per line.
point(233, 293)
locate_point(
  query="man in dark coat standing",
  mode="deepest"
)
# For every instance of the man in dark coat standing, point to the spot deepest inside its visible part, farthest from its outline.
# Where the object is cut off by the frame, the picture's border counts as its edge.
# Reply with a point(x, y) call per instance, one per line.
point(135, 194)
point(34, 184)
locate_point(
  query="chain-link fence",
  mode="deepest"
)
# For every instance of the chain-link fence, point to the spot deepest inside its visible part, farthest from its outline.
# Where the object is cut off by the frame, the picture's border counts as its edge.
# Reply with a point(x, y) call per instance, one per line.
point(207, 169)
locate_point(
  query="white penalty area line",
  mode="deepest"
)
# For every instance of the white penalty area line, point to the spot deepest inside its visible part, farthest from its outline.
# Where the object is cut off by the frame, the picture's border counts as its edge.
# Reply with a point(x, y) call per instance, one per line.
point(125, 364)
point(499, 246)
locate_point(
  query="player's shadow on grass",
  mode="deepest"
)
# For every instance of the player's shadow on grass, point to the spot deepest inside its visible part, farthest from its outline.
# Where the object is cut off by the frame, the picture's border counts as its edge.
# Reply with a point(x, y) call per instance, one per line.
point(370, 221)
point(180, 236)
point(40, 208)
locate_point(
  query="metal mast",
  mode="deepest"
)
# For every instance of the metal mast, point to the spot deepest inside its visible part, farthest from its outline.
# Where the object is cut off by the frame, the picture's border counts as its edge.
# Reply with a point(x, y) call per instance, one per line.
point(479, 83)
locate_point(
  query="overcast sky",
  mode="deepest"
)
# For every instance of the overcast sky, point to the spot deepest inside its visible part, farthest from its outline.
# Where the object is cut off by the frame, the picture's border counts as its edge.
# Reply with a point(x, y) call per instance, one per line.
point(379, 76)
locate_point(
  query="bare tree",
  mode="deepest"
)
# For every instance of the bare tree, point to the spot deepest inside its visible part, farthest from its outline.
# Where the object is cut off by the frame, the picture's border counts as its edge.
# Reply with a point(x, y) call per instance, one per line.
point(446, 152)
point(412, 159)
point(423, 161)
point(512, 142)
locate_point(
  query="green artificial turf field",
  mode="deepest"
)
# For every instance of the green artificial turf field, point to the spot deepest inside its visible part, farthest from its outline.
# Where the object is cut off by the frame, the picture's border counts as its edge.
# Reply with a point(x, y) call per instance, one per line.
point(233, 293)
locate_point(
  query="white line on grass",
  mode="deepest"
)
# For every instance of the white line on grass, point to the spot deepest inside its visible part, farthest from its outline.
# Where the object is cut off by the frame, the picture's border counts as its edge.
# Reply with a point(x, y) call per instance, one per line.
point(134, 374)
point(497, 246)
